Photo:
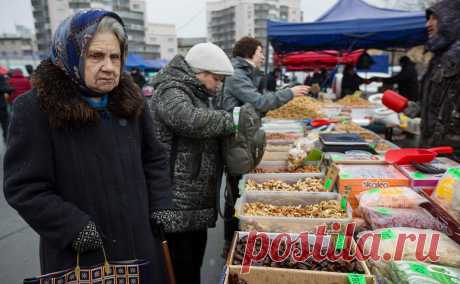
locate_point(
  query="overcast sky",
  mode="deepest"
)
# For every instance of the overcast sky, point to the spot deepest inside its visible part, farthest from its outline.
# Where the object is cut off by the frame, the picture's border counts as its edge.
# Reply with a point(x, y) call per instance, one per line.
point(189, 16)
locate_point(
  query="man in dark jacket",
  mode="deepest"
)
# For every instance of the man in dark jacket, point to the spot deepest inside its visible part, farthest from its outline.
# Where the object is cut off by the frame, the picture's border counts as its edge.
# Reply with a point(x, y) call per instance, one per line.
point(440, 99)
point(407, 79)
point(190, 128)
point(138, 78)
point(20, 84)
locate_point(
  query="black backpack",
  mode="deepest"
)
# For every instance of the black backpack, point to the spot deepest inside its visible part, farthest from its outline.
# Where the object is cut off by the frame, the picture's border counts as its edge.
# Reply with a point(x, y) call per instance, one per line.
point(243, 150)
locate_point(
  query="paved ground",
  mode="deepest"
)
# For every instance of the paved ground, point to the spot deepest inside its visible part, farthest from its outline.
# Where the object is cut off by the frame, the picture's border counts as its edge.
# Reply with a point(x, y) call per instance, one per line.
point(19, 246)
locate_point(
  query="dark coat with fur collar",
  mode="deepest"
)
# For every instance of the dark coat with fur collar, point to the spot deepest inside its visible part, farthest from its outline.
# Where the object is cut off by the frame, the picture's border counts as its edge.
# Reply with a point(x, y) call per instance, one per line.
point(66, 165)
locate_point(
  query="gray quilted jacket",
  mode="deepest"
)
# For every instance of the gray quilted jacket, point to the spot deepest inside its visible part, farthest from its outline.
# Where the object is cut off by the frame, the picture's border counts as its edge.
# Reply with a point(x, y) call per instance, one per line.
point(189, 128)
point(241, 88)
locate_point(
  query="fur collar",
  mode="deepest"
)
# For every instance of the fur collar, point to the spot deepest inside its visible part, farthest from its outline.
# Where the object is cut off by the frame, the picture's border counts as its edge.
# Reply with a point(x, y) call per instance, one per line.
point(60, 98)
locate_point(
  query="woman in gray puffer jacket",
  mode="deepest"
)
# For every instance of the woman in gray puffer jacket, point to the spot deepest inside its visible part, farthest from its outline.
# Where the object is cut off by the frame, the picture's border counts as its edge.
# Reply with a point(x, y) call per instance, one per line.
point(189, 128)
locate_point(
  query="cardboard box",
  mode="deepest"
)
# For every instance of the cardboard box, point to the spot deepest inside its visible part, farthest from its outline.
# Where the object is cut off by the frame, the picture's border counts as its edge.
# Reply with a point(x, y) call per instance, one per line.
point(354, 179)
point(272, 275)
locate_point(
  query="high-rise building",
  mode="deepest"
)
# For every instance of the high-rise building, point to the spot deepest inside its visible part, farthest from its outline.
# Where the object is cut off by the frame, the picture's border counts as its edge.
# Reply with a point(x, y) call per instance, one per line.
point(185, 43)
point(48, 14)
point(230, 20)
point(165, 36)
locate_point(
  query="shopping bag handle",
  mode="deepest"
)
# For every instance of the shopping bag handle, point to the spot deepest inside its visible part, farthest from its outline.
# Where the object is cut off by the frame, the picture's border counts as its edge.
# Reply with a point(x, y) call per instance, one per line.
point(106, 264)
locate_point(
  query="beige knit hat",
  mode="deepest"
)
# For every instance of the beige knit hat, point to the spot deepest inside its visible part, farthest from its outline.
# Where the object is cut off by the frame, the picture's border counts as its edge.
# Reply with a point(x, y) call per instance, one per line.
point(209, 57)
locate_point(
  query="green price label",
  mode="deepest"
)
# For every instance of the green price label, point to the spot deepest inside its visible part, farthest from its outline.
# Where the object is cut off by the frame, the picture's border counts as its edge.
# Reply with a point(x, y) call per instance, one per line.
point(340, 243)
point(418, 175)
point(455, 172)
point(328, 184)
point(388, 234)
point(383, 211)
point(343, 203)
point(354, 278)
point(374, 190)
point(419, 268)
point(442, 278)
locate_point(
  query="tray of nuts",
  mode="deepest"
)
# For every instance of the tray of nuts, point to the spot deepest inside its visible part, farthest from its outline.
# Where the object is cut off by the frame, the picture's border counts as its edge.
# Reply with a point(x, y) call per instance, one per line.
point(282, 182)
point(265, 270)
point(290, 212)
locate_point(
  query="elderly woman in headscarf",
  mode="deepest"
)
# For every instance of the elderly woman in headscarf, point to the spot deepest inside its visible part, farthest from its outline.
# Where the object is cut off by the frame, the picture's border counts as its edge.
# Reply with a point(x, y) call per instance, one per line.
point(82, 166)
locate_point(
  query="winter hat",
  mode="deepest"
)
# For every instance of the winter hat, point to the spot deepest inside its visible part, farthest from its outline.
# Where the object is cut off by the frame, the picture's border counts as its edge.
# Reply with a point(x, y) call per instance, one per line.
point(209, 57)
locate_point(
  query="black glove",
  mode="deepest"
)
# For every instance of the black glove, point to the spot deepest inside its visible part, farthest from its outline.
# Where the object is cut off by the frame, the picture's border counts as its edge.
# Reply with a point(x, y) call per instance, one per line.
point(87, 239)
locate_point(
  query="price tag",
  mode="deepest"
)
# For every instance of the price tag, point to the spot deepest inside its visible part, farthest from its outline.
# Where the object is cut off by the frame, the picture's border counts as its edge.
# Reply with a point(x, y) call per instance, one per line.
point(418, 175)
point(328, 184)
point(343, 204)
point(345, 176)
point(383, 211)
point(388, 234)
point(419, 268)
point(340, 243)
point(354, 278)
point(454, 172)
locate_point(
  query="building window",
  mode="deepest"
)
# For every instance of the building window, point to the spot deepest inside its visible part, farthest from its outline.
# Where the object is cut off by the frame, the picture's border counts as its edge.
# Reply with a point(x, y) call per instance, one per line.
point(153, 39)
point(171, 50)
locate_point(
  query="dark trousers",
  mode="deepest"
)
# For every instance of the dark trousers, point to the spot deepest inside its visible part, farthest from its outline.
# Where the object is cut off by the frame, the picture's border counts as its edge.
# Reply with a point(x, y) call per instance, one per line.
point(231, 194)
point(187, 253)
point(4, 121)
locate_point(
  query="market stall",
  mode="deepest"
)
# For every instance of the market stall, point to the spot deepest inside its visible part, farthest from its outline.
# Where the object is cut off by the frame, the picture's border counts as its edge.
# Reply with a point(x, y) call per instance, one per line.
point(325, 178)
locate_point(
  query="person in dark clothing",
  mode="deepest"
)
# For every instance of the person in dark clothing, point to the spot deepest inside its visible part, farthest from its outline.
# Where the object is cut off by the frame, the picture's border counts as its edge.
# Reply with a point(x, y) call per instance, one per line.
point(5, 91)
point(272, 79)
point(190, 128)
point(440, 96)
point(82, 164)
point(20, 84)
point(407, 79)
point(351, 81)
point(138, 78)
point(30, 70)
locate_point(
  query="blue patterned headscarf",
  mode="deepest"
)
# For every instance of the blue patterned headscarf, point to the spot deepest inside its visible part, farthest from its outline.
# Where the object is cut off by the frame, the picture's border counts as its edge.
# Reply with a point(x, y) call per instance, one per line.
point(71, 40)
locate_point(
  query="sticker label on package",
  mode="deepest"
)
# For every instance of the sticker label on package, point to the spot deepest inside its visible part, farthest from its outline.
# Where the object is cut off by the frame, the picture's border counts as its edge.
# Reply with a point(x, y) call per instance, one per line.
point(388, 234)
point(418, 175)
point(354, 278)
point(383, 211)
point(340, 243)
point(419, 268)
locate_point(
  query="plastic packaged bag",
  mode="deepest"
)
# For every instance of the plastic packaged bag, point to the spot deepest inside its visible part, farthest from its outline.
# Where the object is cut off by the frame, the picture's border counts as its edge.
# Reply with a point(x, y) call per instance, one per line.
point(448, 187)
point(447, 249)
point(296, 157)
point(412, 272)
point(382, 217)
point(394, 197)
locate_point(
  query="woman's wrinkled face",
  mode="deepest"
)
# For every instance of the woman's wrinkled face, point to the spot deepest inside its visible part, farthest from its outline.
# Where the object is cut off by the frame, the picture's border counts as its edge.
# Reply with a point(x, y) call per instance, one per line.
point(432, 26)
point(103, 63)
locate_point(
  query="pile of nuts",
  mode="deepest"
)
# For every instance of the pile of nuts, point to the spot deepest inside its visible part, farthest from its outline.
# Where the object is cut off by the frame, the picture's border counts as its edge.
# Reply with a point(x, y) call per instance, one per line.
point(353, 100)
point(340, 266)
point(311, 184)
point(298, 108)
point(303, 169)
point(324, 209)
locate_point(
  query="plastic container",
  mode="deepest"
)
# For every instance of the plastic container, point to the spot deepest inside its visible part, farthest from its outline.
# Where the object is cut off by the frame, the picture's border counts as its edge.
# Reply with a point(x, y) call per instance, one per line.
point(394, 101)
point(289, 178)
point(287, 224)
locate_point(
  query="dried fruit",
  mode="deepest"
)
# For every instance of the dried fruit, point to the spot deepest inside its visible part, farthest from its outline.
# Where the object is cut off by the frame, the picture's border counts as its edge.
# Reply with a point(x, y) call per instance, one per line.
point(324, 209)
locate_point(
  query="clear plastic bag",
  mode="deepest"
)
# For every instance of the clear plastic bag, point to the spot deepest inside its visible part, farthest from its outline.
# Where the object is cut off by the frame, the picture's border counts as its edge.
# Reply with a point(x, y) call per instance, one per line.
point(448, 186)
point(296, 157)
point(394, 197)
point(447, 250)
point(382, 217)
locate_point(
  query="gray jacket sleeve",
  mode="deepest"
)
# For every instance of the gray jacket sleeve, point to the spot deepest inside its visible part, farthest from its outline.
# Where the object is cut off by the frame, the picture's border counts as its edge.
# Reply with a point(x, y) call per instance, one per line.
point(243, 89)
point(177, 111)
